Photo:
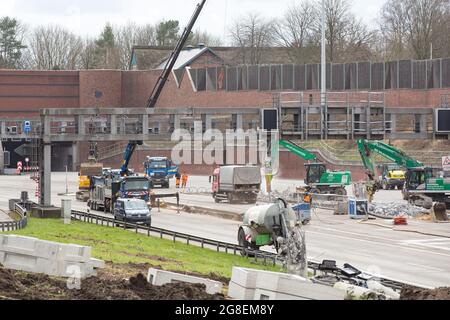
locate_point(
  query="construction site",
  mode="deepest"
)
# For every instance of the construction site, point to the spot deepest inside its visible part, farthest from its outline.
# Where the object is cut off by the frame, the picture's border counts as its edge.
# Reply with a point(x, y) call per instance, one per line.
point(193, 177)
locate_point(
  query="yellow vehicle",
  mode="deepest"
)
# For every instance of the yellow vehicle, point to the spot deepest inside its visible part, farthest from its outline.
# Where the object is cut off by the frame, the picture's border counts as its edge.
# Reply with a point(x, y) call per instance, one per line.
point(84, 183)
point(393, 176)
point(87, 170)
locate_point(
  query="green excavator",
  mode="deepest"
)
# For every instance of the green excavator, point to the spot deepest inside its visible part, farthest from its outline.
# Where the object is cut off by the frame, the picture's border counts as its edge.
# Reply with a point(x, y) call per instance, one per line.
point(420, 189)
point(318, 179)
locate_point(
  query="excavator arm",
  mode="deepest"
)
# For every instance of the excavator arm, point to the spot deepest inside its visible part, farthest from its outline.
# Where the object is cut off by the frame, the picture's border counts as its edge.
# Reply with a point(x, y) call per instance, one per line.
point(131, 147)
point(299, 151)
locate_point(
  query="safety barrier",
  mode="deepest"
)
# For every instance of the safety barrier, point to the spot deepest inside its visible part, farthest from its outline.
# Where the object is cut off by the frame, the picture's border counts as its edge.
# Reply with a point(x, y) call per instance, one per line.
point(16, 225)
point(219, 246)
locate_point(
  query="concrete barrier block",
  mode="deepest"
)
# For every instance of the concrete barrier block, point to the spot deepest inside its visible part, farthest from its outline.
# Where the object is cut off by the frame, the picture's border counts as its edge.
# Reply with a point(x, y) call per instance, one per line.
point(238, 292)
point(96, 263)
point(244, 277)
point(160, 277)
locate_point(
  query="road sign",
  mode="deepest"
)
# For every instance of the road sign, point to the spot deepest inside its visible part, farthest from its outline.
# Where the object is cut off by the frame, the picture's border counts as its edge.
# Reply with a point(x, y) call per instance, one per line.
point(27, 127)
point(446, 163)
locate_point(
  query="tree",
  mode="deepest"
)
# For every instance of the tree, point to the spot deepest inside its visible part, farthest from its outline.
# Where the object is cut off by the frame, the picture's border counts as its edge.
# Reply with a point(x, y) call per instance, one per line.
point(167, 33)
point(296, 31)
point(53, 48)
point(252, 33)
point(11, 46)
point(410, 27)
point(204, 37)
point(107, 54)
point(88, 56)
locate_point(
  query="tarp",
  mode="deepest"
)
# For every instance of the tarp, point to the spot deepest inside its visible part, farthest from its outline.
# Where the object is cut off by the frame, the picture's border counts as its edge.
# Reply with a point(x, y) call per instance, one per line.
point(240, 175)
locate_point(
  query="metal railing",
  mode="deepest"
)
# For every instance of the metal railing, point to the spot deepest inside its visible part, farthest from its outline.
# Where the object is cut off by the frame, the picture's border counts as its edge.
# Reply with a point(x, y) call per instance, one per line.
point(204, 243)
point(16, 225)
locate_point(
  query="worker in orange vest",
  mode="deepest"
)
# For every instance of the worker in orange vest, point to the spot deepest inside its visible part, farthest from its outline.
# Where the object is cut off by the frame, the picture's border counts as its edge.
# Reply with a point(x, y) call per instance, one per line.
point(178, 180)
point(184, 179)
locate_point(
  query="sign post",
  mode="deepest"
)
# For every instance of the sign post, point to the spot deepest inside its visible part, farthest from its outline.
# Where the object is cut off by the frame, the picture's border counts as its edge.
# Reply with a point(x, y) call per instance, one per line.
point(446, 163)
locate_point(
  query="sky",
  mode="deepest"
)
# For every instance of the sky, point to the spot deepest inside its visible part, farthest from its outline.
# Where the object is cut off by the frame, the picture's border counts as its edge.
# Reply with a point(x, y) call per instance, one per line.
point(87, 17)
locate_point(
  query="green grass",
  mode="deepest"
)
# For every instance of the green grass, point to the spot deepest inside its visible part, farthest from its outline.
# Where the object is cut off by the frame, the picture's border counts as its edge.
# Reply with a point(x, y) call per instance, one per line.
point(121, 247)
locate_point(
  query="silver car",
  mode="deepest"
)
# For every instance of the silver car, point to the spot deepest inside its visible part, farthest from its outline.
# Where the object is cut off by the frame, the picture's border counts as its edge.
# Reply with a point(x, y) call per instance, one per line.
point(133, 211)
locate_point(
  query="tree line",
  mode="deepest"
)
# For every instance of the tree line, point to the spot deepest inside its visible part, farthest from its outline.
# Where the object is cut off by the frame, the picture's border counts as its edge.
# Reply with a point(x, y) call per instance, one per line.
point(407, 29)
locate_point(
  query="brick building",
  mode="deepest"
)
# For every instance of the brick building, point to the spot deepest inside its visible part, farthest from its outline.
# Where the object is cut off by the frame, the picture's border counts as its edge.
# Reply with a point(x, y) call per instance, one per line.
point(203, 81)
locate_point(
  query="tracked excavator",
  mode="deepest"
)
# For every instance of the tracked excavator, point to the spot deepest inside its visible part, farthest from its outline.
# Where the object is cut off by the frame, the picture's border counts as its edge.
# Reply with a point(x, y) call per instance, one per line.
point(319, 179)
point(420, 189)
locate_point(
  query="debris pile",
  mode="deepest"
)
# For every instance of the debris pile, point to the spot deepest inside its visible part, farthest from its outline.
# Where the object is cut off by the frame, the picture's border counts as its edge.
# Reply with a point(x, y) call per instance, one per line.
point(27, 286)
point(396, 209)
point(411, 293)
point(295, 248)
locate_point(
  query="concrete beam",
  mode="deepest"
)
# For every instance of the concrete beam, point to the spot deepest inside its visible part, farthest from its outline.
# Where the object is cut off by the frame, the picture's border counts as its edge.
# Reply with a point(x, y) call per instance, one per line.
point(45, 172)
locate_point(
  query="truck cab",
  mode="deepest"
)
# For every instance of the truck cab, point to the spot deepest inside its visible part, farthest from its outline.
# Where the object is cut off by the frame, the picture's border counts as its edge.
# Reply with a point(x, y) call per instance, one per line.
point(160, 170)
point(135, 187)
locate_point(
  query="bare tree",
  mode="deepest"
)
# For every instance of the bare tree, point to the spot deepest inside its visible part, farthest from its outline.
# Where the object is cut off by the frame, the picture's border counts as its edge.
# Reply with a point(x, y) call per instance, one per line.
point(411, 26)
point(53, 48)
point(205, 38)
point(296, 31)
point(252, 34)
point(88, 55)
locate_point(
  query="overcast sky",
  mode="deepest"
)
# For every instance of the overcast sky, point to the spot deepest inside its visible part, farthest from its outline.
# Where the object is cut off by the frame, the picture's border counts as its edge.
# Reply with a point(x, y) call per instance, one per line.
point(87, 17)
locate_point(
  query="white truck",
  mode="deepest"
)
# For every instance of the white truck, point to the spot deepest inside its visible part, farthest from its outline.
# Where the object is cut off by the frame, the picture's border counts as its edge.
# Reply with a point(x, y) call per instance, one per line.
point(236, 184)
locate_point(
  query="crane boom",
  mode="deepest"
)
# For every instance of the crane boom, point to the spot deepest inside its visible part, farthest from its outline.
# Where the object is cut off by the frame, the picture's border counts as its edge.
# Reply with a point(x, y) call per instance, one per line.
point(159, 86)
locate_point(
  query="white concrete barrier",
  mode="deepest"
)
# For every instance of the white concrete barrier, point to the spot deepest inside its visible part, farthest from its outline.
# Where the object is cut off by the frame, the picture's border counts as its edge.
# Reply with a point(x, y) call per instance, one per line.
point(160, 277)
point(250, 284)
point(51, 258)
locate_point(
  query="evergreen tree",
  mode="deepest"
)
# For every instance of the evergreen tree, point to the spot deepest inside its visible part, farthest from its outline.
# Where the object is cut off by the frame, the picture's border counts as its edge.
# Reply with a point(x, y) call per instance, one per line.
point(10, 45)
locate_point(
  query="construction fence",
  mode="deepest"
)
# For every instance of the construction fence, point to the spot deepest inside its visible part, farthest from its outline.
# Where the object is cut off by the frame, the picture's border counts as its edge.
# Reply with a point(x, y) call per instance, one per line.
point(403, 74)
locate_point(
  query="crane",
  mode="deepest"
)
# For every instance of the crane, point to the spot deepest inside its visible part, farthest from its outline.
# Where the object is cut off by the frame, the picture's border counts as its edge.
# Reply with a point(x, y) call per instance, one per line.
point(318, 178)
point(159, 86)
point(421, 188)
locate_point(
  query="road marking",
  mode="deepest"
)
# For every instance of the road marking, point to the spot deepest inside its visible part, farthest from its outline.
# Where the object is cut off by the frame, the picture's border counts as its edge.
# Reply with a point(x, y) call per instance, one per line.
point(425, 267)
point(440, 244)
point(397, 246)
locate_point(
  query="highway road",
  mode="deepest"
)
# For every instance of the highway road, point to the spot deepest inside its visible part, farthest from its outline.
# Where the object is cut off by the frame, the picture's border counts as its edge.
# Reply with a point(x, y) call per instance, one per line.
point(422, 259)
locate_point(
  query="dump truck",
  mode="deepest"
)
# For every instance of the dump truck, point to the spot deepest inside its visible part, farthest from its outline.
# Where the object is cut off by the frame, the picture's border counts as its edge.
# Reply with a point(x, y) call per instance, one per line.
point(87, 171)
point(319, 180)
point(236, 184)
point(160, 170)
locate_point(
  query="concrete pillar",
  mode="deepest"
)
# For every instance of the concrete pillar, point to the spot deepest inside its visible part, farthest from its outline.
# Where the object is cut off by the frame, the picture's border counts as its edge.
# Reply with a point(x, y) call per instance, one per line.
point(145, 124)
point(66, 210)
point(239, 121)
point(177, 122)
point(208, 122)
point(46, 172)
point(81, 125)
point(423, 124)
point(113, 124)
point(3, 127)
point(393, 123)
point(75, 156)
point(369, 119)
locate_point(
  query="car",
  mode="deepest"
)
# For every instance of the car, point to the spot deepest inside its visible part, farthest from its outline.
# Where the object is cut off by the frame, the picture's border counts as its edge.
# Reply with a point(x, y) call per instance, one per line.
point(134, 211)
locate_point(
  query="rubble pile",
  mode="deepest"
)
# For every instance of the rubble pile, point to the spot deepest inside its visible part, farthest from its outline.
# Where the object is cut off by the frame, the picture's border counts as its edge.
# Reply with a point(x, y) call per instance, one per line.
point(397, 209)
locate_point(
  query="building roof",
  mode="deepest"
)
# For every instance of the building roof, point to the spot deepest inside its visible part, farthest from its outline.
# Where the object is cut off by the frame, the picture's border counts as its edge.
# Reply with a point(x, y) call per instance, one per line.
point(186, 57)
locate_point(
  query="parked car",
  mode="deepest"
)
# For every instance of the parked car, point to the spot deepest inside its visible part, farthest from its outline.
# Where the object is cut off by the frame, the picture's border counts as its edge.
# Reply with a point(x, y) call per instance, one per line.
point(133, 211)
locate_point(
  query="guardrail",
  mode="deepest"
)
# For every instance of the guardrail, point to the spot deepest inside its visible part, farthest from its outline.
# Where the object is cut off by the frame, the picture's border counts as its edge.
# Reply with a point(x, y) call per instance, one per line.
point(16, 225)
point(219, 246)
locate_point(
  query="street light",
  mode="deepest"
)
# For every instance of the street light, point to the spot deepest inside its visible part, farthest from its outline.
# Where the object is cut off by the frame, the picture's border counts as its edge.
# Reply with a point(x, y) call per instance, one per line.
point(324, 59)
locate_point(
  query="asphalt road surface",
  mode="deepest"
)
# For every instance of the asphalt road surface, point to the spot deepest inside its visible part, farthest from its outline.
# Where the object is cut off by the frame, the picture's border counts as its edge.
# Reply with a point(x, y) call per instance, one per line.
point(421, 259)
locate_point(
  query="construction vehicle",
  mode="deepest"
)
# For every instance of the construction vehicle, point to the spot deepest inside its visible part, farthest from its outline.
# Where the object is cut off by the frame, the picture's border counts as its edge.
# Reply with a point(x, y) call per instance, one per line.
point(129, 151)
point(392, 176)
point(420, 189)
point(318, 179)
point(236, 183)
point(277, 225)
point(87, 171)
point(106, 190)
point(160, 170)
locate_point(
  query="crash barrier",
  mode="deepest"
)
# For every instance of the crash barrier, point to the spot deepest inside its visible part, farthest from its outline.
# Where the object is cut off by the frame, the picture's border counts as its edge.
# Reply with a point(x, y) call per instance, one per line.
point(51, 258)
point(250, 284)
point(15, 225)
point(229, 248)
point(161, 277)
point(155, 200)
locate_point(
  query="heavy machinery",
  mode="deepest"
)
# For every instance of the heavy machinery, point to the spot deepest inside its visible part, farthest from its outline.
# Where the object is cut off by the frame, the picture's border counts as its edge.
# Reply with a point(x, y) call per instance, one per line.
point(277, 225)
point(318, 179)
point(236, 183)
point(420, 189)
point(129, 150)
point(160, 170)
point(392, 176)
point(87, 171)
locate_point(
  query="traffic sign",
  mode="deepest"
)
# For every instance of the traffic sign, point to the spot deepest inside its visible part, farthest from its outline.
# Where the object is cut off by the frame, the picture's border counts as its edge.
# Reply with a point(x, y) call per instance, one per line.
point(446, 163)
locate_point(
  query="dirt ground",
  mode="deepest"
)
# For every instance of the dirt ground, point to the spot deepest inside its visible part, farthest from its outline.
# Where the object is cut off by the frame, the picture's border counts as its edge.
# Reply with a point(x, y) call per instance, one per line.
point(112, 283)
point(409, 293)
